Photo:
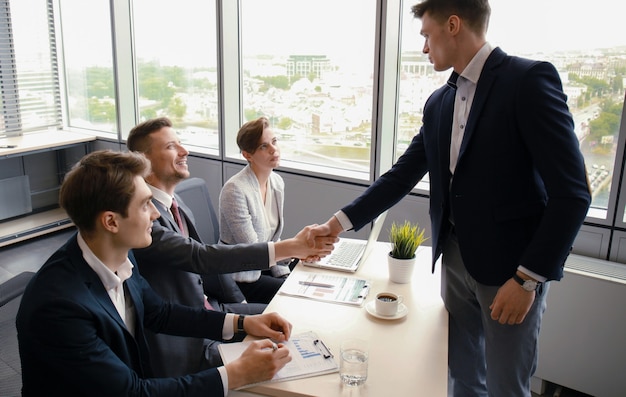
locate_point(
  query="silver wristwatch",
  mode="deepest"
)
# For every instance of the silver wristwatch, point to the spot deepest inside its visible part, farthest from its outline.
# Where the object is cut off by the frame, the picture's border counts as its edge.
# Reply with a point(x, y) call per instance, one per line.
point(528, 285)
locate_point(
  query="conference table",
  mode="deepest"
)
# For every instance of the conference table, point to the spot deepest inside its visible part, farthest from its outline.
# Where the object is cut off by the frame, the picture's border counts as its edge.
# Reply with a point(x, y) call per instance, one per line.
point(408, 355)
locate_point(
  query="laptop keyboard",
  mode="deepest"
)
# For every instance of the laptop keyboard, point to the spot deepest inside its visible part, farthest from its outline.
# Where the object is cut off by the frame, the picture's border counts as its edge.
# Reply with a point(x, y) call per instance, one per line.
point(347, 253)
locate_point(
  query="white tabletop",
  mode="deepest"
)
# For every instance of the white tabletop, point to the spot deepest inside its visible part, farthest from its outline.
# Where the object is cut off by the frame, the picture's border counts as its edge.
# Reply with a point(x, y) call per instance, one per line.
point(408, 356)
point(43, 140)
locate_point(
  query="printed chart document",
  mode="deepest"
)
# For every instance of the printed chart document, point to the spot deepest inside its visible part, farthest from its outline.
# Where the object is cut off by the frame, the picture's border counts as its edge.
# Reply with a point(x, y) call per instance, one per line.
point(327, 287)
point(310, 357)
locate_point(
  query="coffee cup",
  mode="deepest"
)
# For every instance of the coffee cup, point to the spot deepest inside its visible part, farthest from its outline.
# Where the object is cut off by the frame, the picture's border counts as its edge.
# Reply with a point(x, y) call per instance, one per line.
point(387, 303)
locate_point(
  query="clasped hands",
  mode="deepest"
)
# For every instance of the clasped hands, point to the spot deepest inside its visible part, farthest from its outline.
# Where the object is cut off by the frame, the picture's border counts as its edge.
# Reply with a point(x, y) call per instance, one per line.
point(321, 237)
point(263, 358)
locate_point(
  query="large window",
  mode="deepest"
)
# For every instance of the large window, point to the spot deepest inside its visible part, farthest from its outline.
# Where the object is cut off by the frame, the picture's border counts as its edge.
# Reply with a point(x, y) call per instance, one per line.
point(343, 87)
point(30, 96)
point(589, 50)
point(176, 66)
point(310, 70)
point(88, 58)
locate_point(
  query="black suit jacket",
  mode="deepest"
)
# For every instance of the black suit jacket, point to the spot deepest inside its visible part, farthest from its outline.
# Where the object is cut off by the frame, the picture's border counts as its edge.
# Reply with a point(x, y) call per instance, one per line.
point(519, 194)
point(73, 342)
point(182, 270)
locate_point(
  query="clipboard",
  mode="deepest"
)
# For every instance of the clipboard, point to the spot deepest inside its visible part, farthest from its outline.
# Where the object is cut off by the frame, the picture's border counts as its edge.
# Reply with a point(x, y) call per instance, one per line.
point(310, 357)
point(327, 287)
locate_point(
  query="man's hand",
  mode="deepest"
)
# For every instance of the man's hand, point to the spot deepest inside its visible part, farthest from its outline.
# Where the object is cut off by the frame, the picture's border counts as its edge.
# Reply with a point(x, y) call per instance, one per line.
point(302, 245)
point(511, 303)
point(330, 229)
point(259, 362)
point(270, 325)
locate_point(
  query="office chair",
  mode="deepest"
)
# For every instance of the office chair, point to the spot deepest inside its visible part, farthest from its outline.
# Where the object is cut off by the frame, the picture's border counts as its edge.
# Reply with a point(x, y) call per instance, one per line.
point(195, 194)
point(10, 366)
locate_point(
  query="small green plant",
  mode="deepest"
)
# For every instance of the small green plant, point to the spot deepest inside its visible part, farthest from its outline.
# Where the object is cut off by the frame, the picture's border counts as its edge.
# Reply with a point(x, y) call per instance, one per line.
point(405, 239)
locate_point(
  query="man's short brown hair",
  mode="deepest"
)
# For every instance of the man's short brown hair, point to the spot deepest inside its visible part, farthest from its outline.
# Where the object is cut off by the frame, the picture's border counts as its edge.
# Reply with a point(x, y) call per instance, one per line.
point(101, 181)
point(475, 13)
point(139, 137)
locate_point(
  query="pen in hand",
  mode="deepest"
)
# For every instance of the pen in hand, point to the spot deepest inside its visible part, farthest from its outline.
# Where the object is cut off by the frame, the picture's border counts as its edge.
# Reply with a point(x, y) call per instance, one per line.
point(312, 284)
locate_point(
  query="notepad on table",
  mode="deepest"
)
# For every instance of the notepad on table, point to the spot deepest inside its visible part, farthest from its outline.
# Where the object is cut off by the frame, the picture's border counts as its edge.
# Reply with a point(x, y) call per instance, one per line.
point(310, 357)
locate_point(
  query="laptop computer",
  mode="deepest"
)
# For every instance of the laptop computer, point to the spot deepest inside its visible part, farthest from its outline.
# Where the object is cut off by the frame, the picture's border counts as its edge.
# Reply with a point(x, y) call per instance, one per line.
point(349, 254)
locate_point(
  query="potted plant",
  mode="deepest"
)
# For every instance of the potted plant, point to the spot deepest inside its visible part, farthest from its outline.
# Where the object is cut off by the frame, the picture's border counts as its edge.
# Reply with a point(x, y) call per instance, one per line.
point(405, 240)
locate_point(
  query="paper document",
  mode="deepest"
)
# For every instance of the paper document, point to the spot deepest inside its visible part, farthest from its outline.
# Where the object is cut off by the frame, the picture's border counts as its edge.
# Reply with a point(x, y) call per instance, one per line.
point(326, 287)
point(310, 357)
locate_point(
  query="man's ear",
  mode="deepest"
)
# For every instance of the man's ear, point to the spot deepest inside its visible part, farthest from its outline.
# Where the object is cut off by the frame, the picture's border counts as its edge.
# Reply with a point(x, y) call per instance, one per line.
point(109, 221)
point(453, 25)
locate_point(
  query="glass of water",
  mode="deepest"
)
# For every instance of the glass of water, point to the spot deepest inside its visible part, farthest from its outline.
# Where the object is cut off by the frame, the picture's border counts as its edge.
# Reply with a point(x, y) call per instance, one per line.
point(353, 363)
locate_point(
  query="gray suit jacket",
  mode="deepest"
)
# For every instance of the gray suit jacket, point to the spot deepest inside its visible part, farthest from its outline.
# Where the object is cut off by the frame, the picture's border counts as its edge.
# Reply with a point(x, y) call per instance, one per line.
point(242, 213)
point(173, 265)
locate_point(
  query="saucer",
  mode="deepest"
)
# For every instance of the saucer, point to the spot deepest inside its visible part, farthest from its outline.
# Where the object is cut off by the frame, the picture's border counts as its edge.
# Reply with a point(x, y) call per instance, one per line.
point(402, 311)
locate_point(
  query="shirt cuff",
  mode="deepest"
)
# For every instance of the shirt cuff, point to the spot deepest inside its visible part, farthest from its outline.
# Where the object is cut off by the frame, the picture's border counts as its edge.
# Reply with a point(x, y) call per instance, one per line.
point(224, 376)
point(272, 252)
point(343, 219)
point(228, 329)
point(531, 274)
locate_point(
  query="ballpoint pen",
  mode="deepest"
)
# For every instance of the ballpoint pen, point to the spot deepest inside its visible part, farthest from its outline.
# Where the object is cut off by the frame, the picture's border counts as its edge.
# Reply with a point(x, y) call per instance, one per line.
point(7, 146)
point(312, 284)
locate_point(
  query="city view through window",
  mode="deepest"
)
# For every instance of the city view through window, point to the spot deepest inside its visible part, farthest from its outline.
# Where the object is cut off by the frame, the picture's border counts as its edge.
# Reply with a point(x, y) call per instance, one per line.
point(322, 110)
point(313, 75)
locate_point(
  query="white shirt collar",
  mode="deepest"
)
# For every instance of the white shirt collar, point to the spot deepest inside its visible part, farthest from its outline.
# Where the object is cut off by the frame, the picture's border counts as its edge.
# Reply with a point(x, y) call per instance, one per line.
point(475, 67)
point(109, 279)
point(160, 196)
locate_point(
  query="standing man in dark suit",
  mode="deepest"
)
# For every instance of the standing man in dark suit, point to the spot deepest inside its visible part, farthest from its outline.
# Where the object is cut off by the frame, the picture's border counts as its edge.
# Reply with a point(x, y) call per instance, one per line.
point(183, 269)
point(82, 320)
point(508, 194)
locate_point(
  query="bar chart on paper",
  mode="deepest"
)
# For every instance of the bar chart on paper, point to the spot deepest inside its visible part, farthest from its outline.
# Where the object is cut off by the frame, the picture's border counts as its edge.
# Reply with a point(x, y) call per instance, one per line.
point(310, 357)
point(328, 288)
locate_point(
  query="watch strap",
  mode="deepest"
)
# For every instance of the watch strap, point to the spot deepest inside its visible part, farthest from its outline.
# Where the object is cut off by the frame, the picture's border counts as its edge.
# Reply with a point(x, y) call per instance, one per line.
point(521, 282)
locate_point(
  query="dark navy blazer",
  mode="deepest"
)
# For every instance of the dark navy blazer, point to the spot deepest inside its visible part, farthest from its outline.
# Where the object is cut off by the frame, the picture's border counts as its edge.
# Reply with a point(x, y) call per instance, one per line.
point(73, 342)
point(519, 194)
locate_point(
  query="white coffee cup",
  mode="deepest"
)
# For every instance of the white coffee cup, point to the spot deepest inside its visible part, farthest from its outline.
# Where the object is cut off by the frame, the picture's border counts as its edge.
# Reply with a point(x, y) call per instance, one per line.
point(387, 303)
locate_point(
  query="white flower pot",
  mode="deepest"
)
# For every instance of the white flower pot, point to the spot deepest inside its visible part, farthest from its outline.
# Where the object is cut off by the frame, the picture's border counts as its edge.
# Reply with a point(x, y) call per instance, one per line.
point(400, 270)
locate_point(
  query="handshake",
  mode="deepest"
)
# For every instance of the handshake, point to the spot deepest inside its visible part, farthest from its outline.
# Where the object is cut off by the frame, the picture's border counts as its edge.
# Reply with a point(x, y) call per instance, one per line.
point(311, 243)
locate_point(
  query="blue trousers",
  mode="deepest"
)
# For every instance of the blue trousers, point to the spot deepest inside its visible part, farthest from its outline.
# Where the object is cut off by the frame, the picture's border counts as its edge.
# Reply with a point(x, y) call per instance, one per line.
point(486, 358)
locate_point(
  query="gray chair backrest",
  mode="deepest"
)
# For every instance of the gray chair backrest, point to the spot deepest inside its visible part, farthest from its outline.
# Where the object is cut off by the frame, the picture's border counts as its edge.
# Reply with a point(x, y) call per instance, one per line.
point(195, 194)
point(10, 366)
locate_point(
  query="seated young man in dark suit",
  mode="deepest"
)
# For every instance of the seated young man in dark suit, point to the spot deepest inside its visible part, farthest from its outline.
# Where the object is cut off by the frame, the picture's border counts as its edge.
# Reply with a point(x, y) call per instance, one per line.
point(83, 317)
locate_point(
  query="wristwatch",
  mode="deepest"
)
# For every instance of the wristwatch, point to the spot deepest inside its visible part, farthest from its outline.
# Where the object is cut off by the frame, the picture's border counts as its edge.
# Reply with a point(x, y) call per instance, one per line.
point(528, 285)
point(240, 329)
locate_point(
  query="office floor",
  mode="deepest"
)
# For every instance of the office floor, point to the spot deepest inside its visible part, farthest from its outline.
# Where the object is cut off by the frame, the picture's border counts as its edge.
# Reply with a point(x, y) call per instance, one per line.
point(29, 255)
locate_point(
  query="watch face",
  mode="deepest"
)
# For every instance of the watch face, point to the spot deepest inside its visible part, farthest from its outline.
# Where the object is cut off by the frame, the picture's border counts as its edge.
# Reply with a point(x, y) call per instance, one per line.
point(530, 285)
